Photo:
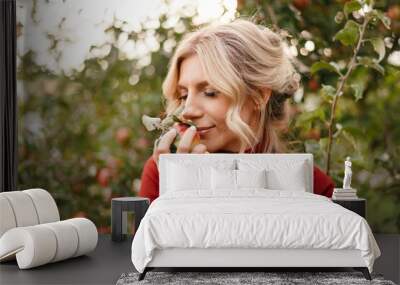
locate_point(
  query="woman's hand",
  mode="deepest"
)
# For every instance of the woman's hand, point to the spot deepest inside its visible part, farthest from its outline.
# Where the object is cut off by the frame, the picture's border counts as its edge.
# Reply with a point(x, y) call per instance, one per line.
point(163, 144)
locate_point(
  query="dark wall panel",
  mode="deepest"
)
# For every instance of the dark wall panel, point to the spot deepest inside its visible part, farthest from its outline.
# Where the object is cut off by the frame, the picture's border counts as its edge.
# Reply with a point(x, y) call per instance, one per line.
point(8, 98)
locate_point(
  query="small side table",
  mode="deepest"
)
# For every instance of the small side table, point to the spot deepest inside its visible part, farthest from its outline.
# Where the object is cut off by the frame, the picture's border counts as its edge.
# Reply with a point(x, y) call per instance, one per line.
point(119, 209)
point(357, 205)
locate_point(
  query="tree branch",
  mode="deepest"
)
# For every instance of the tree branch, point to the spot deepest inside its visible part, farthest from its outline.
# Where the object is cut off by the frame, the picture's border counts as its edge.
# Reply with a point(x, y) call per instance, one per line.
point(341, 84)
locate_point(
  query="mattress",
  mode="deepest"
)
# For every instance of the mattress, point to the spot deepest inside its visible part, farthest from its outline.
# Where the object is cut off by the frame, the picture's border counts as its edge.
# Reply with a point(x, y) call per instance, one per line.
point(250, 219)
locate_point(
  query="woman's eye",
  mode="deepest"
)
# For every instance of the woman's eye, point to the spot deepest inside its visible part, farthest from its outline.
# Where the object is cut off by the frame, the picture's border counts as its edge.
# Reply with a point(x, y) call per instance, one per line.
point(182, 97)
point(210, 93)
point(206, 93)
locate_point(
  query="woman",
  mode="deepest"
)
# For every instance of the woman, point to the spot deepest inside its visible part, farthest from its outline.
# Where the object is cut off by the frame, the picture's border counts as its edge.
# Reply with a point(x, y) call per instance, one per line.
point(233, 80)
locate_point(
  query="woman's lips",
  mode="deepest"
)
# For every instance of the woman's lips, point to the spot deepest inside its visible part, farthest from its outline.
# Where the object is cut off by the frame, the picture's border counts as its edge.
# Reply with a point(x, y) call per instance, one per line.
point(204, 130)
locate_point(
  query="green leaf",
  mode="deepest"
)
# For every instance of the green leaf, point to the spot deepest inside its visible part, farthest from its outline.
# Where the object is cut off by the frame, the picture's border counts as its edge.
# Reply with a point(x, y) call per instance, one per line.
point(378, 68)
point(382, 17)
point(311, 116)
point(371, 63)
point(358, 90)
point(339, 17)
point(176, 119)
point(323, 142)
point(351, 6)
point(379, 47)
point(323, 65)
point(328, 90)
point(349, 34)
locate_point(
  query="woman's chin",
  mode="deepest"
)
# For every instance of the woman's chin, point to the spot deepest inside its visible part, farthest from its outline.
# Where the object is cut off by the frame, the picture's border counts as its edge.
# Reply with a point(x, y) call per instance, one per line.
point(209, 147)
point(215, 139)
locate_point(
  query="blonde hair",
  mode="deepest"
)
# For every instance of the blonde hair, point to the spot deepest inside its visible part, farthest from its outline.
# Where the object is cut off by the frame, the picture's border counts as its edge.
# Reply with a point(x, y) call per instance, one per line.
point(243, 59)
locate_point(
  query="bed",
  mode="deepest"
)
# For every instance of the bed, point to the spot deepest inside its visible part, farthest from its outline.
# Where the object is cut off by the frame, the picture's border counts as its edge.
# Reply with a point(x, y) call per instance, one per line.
point(247, 210)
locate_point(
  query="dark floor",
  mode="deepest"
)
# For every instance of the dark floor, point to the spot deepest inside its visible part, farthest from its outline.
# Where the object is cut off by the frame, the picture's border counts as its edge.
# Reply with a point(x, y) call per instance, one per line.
point(110, 260)
point(102, 266)
point(389, 262)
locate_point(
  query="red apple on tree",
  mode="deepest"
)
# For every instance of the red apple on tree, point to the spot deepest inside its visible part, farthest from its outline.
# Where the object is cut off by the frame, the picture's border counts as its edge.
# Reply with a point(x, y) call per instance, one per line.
point(313, 84)
point(394, 12)
point(142, 143)
point(301, 4)
point(104, 176)
point(313, 134)
point(122, 135)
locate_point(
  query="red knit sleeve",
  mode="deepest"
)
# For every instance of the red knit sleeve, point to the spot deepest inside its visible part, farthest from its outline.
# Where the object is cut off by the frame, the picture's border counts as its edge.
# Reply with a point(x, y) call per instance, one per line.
point(323, 184)
point(149, 181)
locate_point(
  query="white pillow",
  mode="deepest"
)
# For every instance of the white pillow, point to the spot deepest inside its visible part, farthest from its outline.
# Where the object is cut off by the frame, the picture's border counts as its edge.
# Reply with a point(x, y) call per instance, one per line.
point(251, 178)
point(237, 179)
point(186, 174)
point(223, 179)
point(281, 174)
point(293, 180)
point(182, 177)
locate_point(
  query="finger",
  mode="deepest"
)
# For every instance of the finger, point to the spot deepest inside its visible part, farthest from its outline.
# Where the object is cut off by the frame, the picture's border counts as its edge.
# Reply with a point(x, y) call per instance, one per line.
point(186, 140)
point(165, 142)
point(199, 148)
point(155, 155)
point(156, 142)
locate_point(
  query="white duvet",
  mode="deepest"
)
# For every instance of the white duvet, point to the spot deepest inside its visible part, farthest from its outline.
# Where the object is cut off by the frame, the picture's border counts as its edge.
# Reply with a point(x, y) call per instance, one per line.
point(252, 218)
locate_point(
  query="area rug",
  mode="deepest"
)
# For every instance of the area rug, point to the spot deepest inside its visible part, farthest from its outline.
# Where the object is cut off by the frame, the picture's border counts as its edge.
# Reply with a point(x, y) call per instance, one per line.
point(242, 278)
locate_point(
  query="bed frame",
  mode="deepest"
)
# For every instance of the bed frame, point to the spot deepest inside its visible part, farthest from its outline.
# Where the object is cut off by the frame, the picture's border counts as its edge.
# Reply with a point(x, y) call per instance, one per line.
point(242, 259)
point(246, 258)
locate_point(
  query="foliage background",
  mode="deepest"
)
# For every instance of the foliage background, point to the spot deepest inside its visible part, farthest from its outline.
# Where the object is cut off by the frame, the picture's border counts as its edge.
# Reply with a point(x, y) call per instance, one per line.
point(81, 137)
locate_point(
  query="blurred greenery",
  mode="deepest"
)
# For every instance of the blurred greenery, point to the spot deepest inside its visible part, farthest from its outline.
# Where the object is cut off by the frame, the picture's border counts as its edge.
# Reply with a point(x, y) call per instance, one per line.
point(81, 137)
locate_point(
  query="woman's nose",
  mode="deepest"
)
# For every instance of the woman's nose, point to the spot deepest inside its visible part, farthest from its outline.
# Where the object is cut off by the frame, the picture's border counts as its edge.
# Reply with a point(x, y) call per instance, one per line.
point(192, 109)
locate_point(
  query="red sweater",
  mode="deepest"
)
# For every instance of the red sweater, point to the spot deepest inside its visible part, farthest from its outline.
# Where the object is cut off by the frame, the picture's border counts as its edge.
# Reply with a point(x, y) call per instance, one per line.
point(323, 184)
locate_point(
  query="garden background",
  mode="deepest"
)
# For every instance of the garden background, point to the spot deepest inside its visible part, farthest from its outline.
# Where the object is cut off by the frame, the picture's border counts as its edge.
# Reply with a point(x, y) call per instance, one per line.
point(88, 70)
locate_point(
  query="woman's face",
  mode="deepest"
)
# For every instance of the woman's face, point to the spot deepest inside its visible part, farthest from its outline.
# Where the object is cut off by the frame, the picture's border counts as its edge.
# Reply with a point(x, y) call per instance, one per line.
point(207, 108)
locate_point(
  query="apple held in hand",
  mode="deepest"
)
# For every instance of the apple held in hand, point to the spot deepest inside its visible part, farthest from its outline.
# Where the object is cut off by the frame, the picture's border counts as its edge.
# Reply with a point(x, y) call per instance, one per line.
point(174, 120)
point(181, 128)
